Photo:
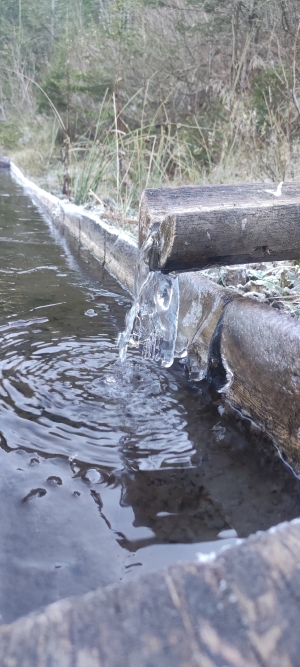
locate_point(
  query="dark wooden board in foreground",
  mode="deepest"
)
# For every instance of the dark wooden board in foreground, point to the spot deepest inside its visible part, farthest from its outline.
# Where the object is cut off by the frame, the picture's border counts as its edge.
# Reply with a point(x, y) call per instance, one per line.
point(239, 610)
point(201, 226)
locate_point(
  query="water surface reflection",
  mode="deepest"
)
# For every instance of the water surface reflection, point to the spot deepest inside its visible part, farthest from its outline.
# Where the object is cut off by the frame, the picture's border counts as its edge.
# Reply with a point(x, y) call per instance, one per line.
point(106, 471)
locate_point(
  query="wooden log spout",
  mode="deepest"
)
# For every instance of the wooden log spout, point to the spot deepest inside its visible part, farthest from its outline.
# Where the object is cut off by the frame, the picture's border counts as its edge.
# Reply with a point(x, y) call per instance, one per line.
point(200, 226)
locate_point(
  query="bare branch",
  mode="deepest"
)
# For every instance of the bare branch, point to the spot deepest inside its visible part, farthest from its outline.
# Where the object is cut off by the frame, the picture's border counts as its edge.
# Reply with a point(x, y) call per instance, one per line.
point(294, 95)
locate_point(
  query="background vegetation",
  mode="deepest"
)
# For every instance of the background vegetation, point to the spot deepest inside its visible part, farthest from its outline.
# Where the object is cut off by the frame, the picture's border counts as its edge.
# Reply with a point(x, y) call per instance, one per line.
point(99, 98)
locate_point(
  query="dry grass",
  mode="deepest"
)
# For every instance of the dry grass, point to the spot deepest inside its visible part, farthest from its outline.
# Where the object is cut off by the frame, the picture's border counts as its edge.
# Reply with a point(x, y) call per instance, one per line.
point(110, 170)
point(116, 165)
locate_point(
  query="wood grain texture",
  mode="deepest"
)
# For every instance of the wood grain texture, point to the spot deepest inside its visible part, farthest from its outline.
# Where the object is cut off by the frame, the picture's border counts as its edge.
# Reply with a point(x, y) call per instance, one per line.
point(250, 352)
point(260, 350)
point(201, 226)
point(239, 610)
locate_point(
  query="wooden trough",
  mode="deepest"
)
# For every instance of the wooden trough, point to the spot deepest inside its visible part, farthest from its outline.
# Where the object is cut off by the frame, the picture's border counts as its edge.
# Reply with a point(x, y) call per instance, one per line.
point(249, 351)
point(238, 609)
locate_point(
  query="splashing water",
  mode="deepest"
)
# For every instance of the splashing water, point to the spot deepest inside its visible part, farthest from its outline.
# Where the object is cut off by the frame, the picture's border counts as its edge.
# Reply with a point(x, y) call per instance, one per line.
point(151, 323)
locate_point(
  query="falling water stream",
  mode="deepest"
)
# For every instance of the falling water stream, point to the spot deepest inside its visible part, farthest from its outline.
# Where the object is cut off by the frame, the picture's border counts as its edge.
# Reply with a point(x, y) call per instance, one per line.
point(151, 322)
point(108, 469)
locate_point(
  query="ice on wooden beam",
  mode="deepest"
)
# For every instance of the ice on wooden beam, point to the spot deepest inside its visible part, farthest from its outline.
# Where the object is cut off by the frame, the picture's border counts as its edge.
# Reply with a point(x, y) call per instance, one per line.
point(201, 226)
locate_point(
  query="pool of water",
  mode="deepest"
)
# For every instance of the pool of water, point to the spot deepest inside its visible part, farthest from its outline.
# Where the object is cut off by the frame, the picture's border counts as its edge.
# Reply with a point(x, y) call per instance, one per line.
point(106, 471)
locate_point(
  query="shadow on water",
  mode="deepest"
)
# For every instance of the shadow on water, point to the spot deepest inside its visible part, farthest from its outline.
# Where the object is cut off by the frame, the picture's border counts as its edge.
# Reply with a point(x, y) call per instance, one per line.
point(105, 471)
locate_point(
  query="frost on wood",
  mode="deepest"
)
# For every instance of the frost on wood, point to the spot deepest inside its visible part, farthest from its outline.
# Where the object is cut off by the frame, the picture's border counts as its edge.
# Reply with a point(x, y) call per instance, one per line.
point(202, 226)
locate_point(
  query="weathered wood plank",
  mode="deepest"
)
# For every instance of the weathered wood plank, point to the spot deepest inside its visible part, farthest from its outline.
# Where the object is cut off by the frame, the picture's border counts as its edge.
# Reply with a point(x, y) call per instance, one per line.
point(260, 351)
point(250, 351)
point(201, 226)
point(238, 610)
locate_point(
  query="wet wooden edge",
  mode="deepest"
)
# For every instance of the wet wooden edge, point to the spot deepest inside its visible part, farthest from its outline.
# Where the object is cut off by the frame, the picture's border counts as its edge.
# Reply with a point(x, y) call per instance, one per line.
point(237, 609)
point(250, 351)
point(114, 249)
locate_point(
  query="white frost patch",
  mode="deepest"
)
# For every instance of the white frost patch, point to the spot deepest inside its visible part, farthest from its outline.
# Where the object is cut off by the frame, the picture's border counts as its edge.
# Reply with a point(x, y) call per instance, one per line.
point(277, 192)
point(206, 558)
point(90, 313)
point(229, 376)
point(193, 315)
point(224, 534)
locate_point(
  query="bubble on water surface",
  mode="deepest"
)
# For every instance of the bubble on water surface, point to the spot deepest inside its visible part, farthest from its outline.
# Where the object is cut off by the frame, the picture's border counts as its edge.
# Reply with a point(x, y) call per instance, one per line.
point(92, 476)
point(90, 313)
